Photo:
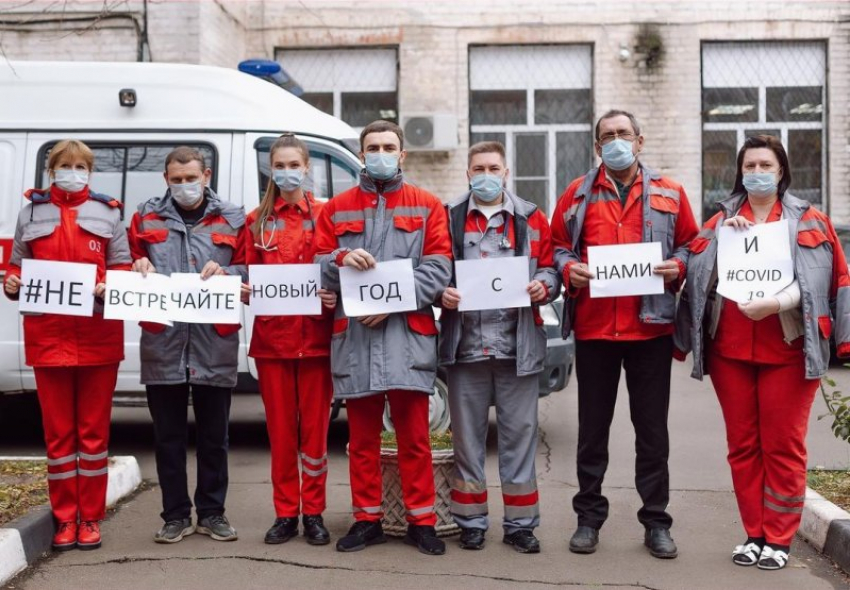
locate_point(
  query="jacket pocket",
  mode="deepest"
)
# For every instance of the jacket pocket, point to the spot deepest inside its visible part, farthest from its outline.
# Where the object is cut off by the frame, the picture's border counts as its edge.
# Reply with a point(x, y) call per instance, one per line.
point(99, 227)
point(153, 327)
point(408, 224)
point(421, 342)
point(225, 330)
point(407, 237)
point(33, 231)
point(223, 240)
point(698, 245)
point(340, 326)
point(825, 325)
point(663, 204)
point(349, 227)
point(422, 324)
point(815, 248)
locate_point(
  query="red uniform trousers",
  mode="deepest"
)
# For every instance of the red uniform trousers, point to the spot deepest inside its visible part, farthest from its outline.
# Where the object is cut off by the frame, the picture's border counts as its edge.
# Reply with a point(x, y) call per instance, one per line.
point(409, 411)
point(76, 406)
point(766, 401)
point(297, 396)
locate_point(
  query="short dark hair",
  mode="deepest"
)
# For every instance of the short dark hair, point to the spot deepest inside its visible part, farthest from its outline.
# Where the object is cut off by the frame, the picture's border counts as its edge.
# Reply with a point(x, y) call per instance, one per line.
point(773, 144)
point(618, 113)
point(487, 147)
point(380, 126)
point(183, 155)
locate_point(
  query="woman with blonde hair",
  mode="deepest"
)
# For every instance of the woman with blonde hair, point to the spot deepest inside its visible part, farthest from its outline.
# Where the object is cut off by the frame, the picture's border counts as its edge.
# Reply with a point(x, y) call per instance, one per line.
point(74, 359)
point(292, 352)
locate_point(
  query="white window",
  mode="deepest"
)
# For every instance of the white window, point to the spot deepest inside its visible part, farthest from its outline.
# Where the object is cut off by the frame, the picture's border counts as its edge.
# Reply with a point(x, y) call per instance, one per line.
point(355, 85)
point(773, 88)
point(537, 100)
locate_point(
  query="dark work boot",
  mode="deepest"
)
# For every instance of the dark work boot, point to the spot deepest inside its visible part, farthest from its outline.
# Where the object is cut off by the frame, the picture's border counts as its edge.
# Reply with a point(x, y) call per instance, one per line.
point(522, 541)
point(660, 543)
point(425, 538)
point(361, 534)
point(584, 540)
point(282, 530)
point(314, 530)
point(472, 539)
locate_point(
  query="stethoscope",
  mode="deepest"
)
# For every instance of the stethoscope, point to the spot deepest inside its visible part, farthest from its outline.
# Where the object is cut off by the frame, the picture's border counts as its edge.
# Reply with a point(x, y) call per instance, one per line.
point(267, 245)
point(504, 241)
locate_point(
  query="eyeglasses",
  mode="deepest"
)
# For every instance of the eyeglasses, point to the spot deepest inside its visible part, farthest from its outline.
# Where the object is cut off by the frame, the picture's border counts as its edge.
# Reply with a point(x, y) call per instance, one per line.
point(609, 137)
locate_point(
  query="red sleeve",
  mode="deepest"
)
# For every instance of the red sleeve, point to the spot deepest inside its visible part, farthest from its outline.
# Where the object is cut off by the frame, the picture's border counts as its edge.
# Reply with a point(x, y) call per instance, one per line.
point(546, 258)
point(326, 241)
point(840, 276)
point(252, 254)
point(137, 246)
point(561, 239)
point(686, 230)
point(437, 239)
point(239, 257)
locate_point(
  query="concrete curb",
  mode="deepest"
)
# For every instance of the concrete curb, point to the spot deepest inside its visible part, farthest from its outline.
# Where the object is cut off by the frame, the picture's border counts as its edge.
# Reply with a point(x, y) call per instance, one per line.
point(26, 539)
point(826, 527)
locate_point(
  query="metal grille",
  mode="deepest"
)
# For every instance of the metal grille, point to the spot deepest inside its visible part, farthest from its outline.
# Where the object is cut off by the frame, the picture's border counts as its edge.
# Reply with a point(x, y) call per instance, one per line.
point(537, 100)
point(773, 88)
point(356, 85)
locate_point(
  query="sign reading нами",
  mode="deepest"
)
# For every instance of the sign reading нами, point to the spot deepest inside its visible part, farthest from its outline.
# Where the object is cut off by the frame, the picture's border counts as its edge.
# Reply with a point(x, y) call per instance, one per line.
point(754, 263)
point(63, 288)
point(492, 283)
point(387, 288)
point(285, 289)
point(625, 269)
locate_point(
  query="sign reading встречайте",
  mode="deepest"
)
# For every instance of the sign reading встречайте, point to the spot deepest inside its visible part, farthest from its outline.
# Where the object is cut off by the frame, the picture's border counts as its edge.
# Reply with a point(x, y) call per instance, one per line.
point(754, 263)
point(625, 269)
point(285, 289)
point(492, 283)
point(387, 288)
point(63, 288)
point(182, 297)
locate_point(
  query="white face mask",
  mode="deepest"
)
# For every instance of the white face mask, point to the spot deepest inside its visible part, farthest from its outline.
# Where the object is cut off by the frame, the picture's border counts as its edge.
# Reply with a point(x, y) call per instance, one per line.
point(187, 194)
point(70, 180)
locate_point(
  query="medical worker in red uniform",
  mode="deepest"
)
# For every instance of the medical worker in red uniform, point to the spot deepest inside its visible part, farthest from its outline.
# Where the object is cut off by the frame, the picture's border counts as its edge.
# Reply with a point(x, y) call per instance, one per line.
point(74, 359)
point(765, 357)
point(292, 352)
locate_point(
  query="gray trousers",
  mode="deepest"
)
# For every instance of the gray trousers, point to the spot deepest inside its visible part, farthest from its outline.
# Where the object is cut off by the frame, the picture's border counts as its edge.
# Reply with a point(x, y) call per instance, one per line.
point(473, 387)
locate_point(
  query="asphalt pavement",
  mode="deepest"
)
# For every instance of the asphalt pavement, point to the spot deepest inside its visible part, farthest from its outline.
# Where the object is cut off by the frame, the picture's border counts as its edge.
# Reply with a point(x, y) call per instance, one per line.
point(706, 523)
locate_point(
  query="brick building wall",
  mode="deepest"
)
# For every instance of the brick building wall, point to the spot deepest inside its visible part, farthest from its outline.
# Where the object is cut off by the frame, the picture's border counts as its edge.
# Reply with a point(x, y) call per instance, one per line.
point(433, 40)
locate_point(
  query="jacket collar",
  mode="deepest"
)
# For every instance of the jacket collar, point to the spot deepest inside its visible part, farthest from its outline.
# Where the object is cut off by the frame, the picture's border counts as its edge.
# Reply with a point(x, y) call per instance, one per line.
point(303, 206)
point(164, 207)
point(513, 204)
point(792, 207)
point(370, 185)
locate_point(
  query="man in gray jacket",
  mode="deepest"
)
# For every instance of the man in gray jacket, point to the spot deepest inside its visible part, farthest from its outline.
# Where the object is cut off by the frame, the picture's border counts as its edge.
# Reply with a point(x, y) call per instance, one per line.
point(190, 230)
point(494, 356)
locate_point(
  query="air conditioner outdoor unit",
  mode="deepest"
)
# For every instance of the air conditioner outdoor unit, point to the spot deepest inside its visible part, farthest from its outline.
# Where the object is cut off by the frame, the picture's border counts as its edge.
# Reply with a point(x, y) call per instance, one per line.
point(429, 132)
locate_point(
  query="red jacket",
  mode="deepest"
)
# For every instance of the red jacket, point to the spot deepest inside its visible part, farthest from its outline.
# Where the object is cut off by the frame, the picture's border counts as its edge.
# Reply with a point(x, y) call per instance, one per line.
point(71, 227)
point(608, 222)
point(292, 242)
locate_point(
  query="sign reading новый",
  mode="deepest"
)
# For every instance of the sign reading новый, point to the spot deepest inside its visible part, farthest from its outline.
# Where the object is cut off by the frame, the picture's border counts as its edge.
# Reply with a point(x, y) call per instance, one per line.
point(625, 269)
point(387, 288)
point(63, 288)
point(492, 283)
point(754, 263)
point(285, 289)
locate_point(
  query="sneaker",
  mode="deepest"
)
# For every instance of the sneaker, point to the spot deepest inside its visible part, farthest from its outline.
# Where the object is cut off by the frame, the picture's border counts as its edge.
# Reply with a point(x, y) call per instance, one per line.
point(425, 538)
point(361, 534)
point(523, 541)
point(472, 539)
point(173, 531)
point(314, 529)
point(65, 537)
point(217, 527)
point(88, 535)
point(282, 530)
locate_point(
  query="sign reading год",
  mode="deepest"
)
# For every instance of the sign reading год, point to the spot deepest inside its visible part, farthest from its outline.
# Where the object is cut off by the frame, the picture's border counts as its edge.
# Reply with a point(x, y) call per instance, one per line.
point(285, 289)
point(387, 288)
point(625, 269)
point(492, 283)
point(63, 288)
point(754, 263)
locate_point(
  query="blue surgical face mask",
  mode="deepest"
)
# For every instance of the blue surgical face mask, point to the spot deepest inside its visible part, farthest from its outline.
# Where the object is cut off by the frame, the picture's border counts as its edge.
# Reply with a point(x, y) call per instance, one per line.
point(381, 165)
point(487, 187)
point(289, 179)
point(760, 184)
point(617, 154)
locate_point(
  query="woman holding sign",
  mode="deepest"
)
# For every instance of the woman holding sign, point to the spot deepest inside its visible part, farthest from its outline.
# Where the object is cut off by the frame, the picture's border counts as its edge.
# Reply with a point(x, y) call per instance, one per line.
point(74, 359)
point(766, 356)
point(292, 351)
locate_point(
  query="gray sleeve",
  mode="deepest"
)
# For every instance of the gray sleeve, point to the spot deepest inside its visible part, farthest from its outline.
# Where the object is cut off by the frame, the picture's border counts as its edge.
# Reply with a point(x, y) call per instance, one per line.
point(431, 278)
point(552, 279)
point(118, 248)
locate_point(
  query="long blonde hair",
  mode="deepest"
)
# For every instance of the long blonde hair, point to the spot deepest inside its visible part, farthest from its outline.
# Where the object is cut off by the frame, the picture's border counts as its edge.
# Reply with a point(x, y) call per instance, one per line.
point(272, 191)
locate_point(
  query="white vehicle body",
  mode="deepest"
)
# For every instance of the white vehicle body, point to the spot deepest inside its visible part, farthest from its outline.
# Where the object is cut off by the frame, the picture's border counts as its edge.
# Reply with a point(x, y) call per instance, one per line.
point(231, 116)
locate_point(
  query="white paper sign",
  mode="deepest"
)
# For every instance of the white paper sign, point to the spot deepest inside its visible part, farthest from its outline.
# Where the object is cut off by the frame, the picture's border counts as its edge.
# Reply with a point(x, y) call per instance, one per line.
point(492, 283)
point(63, 288)
point(213, 301)
point(285, 289)
point(754, 263)
point(625, 269)
point(131, 296)
point(387, 288)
